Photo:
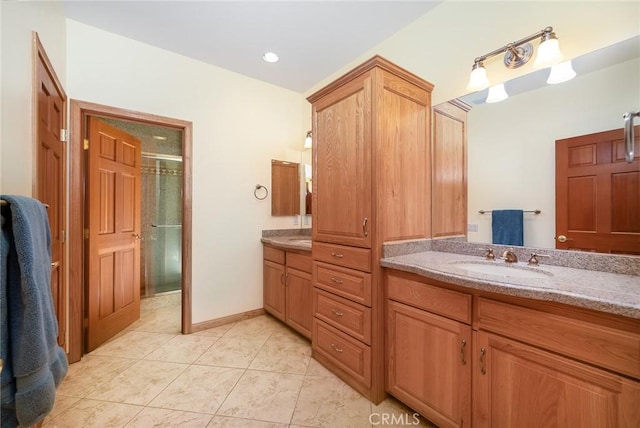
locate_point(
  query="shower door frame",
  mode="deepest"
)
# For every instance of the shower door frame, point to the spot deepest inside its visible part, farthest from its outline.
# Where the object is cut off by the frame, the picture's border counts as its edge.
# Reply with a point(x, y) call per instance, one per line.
point(79, 112)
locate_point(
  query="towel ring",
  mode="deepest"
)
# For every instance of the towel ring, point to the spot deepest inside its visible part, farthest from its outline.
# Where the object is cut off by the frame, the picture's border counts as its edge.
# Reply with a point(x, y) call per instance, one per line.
point(258, 187)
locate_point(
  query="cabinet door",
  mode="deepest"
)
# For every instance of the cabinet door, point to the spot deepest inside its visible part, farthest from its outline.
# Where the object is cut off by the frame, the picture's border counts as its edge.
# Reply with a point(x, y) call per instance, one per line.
point(274, 293)
point(342, 164)
point(299, 301)
point(517, 385)
point(428, 364)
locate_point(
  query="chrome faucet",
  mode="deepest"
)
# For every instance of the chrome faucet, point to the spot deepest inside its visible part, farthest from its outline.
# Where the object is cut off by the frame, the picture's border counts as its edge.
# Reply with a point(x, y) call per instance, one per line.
point(509, 256)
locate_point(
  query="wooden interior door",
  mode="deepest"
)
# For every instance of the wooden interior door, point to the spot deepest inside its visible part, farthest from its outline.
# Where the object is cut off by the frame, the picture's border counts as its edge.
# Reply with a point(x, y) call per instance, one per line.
point(50, 182)
point(113, 218)
point(598, 194)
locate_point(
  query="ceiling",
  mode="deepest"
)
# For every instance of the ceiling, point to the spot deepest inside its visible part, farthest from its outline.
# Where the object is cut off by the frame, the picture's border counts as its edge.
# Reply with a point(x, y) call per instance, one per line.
point(313, 38)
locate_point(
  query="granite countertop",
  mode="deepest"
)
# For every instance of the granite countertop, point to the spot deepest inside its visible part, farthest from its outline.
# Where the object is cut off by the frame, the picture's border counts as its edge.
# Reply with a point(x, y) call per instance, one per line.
point(602, 291)
point(289, 242)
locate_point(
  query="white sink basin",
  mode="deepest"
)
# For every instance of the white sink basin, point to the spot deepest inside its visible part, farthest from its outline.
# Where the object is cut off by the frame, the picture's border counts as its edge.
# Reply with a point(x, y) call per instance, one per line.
point(502, 270)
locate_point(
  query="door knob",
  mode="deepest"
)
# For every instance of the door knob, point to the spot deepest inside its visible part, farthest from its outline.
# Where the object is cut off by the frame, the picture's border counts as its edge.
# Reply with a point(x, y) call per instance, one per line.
point(562, 238)
point(137, 236)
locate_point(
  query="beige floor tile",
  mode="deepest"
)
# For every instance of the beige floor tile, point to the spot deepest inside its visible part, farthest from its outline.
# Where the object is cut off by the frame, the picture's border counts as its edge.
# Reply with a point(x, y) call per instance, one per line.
point(317, 369)
point(227, 422)
point(162, 320)
point(255, 328)
point(151, 417)
point(84, 376)
point(329, 402)
point(62, 403)
point(216, 331)
point(392, 413)
point(283, 356)
point(133, 344)
point(263, 396)
point(199, 389)
point(140, 383)
point(231, 352)
point(284, 333)
point(92, 413)
point(182, 349)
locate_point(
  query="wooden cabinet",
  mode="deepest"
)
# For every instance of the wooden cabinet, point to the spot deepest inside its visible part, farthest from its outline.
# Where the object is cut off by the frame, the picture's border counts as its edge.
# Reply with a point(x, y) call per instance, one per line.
point(371, 184)
point(515, 363)
point(287, 287)
point(518, 385)
point(449, 198)
point(429, 356)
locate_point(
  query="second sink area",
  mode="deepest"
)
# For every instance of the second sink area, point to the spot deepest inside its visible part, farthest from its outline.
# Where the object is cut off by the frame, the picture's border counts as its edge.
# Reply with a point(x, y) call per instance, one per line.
point(502, 270)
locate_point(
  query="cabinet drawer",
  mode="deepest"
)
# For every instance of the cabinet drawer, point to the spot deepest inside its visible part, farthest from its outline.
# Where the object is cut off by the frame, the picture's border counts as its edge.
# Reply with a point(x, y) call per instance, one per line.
point(349, 355)
point(606, 347)
point(449, 303)
point(299, 261)
point(273, 254)
point(341, 255)
point(348, 283)
point(352, 318)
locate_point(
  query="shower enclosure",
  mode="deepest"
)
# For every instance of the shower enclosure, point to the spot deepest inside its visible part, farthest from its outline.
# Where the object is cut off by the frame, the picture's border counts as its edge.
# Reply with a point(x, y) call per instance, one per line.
point(161, 223)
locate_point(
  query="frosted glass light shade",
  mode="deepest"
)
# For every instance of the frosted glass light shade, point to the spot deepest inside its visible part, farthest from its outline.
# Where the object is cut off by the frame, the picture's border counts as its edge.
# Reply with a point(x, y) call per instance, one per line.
point(308, 142)
point(478, 79)
point(561, 73)
point(548, 54)
point(497, 93)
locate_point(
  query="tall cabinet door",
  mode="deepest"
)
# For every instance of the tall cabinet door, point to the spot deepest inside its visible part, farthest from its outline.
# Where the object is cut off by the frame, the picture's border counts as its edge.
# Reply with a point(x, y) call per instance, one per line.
point(342, 164)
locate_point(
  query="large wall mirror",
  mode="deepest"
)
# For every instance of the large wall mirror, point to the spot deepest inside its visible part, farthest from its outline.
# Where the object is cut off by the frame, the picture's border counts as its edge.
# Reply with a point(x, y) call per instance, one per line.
point(511, 144)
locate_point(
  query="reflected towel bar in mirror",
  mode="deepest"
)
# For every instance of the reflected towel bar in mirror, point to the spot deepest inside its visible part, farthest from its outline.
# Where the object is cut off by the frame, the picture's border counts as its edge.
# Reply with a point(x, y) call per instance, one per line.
point(3, 203)
point(526, 211)
point(166, 225)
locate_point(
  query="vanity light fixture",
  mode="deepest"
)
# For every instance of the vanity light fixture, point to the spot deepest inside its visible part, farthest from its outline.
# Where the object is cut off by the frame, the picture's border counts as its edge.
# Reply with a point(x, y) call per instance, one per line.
point(271, 57)
point(308, 141)
point(561, 73)
point(497, 93)
point(516, 55)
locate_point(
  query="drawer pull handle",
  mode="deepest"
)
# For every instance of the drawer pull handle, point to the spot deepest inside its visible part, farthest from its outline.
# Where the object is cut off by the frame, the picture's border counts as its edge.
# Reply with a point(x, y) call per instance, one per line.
point(337, 255)
point(335, 348)
point(463, 345)
point(282, 278)
point(336, 280)
point(483, 368)
point(336, 313)
point(364, 227)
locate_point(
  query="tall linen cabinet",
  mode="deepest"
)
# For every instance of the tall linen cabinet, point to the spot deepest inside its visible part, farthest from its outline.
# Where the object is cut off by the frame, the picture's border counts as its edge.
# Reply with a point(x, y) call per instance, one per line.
point(371, 184)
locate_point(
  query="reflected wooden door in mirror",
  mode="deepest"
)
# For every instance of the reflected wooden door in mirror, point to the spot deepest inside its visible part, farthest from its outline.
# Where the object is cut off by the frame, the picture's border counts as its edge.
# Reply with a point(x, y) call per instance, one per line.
point(285, 185)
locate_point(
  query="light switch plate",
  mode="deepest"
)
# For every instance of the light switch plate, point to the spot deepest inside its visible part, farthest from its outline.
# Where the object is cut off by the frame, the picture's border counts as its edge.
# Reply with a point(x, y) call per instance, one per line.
point(472, 227)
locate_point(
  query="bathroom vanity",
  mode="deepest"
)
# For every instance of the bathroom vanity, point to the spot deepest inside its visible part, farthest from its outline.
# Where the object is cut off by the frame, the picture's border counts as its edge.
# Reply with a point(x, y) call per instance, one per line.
point(287, 280)
point(475, 342)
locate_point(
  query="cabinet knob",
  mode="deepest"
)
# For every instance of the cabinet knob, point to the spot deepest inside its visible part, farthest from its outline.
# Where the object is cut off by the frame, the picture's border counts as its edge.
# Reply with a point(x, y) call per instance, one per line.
point(463, 345)
point(483, 367)
point(335, 348)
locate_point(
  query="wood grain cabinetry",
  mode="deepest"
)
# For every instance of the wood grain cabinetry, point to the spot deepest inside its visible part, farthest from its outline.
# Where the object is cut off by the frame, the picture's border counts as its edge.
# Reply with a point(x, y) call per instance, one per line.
point(449, 199)
point(429, 355)
point(371, 184)
point(486, 360)
point(287, 287)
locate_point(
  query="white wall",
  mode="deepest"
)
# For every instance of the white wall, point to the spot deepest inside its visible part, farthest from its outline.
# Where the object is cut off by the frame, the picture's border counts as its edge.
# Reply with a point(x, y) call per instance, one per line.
point(441, 45)
point(19, 19)
point(239, 125)
point(511, 144)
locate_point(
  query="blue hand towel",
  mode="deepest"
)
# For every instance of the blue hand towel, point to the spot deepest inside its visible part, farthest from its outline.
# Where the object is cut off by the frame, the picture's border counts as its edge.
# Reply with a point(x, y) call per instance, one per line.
point(507, 227)
point(34, 364)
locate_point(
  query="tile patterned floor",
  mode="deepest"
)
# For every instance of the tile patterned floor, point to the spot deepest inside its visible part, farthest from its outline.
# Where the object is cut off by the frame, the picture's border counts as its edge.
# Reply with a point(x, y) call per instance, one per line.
point(253, 373)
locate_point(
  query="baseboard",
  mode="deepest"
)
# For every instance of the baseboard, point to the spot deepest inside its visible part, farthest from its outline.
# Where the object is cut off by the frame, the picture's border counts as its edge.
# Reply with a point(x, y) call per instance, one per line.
point(204, 325)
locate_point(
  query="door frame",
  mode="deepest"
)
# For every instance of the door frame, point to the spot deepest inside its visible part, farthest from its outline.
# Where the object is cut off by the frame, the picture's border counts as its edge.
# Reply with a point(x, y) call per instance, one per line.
point(79, 110)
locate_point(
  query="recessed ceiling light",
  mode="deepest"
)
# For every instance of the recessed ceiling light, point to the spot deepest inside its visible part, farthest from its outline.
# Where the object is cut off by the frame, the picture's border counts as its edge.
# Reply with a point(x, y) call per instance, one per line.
point(270, 57)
